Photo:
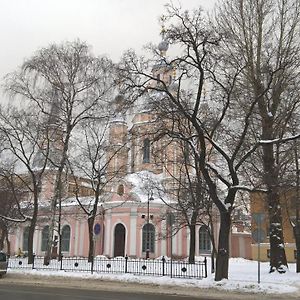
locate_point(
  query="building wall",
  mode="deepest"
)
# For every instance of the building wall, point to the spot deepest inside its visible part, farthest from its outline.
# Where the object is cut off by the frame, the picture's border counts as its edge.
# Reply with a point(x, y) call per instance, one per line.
point(258, 205)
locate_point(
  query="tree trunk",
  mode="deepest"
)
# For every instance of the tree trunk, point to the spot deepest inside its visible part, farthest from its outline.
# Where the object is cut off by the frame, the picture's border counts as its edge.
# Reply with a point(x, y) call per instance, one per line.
point(2, 238)
point(277, 251)
point(192, 243)
point(7, 243)
point(33, 224)
point(212, 258)
point(57, 197)
point(297, 239)
point(223, 247)
point(30, 241)
point(91, 238)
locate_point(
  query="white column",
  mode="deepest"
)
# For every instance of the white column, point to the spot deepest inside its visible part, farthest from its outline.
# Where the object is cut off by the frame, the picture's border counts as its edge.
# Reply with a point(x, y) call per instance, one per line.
point(163, 241)
point(179, 241)
point(76, 238)
point(108, 233)
point(133, 226)
point(18, 240)
point(188, 232)
point(36, 244)
point(81, 237)
point(175, 244)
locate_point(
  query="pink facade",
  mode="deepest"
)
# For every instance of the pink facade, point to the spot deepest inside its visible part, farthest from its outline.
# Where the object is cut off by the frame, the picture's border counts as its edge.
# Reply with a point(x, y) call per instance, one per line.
point(131, 217)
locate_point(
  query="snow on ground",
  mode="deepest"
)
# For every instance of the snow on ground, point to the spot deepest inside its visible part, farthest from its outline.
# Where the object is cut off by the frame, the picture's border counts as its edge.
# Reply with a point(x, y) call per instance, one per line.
point(243, 277)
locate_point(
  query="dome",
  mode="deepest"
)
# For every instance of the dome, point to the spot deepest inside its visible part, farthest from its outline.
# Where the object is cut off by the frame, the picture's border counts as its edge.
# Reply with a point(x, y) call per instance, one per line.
point(119, 98)
point(163, 46)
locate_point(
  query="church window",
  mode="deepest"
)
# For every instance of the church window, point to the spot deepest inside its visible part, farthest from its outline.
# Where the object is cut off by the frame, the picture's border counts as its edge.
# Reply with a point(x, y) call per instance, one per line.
point(45, 237)
point(148, 238)
point(186, 152)
point(204, 239)
point(120, 191)
point(146, 151)
point(65, 238)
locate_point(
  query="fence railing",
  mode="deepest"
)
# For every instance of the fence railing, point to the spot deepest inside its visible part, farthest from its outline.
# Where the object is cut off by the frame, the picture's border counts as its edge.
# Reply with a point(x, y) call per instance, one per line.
point(153, 267)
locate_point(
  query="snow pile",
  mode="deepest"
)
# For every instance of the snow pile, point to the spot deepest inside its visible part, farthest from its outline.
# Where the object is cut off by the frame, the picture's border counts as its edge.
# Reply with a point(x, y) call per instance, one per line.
point(242, 278)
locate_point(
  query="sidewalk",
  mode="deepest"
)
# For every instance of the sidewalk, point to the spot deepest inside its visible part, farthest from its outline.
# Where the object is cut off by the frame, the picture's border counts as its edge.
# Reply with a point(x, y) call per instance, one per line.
point(129, 283)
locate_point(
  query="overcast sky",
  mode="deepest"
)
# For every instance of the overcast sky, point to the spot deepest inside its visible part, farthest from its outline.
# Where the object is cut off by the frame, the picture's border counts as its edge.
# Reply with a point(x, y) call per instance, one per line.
point(109, 26)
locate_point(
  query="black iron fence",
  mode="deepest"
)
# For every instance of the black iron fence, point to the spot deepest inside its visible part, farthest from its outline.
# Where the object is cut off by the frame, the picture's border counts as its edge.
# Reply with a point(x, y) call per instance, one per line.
point(150, 267)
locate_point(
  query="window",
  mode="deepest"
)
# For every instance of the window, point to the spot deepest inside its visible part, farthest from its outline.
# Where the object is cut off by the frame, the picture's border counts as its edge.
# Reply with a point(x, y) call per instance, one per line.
point(25, 238)
point(2, 257)
point(65, 238)
point(120, 191)
point(45, 237)
point(186, 152)
point(204, 239)
point(148, 238)
point(146, 151)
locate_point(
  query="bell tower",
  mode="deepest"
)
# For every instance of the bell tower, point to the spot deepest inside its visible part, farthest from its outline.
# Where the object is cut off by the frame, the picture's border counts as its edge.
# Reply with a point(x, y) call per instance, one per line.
point(117, 154)
point(162, 70)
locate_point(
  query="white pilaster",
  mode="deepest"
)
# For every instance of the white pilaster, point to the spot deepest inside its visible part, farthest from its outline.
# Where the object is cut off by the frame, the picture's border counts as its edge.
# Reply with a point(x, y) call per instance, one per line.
point(163, 241)
point(76, 238)
point(81, 237)
point(133, 226)
point(108, 233)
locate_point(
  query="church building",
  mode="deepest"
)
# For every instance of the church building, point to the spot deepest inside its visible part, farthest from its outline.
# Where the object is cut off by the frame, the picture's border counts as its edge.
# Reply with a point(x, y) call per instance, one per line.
point(133, 217)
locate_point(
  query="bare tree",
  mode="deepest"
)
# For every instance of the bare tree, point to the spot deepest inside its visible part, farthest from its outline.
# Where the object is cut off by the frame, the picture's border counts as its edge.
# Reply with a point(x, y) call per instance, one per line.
point(22, 134)
point(290, 185)
point(184, 190)
point(8, 211)
point(68, 84)
point(91, 161)
point(263, 38)
point(219, 145)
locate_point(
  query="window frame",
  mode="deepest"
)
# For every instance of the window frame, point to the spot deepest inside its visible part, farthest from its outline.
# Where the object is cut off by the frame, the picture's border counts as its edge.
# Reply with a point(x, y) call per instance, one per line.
point(146, 150)
point(44, 238)
point(151, 232)
point(65, 240)
point(204, 239)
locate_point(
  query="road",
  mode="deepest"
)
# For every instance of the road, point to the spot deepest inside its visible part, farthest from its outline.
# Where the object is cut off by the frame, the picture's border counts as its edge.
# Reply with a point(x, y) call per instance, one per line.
point(21, 292)
point(16, 286)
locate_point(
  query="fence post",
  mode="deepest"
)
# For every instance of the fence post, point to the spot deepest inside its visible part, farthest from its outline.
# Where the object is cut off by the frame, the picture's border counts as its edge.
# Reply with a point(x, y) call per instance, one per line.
point(126, 262)
point(163, 265)
point(205, 267)
point(61, 261)
point(33, 257)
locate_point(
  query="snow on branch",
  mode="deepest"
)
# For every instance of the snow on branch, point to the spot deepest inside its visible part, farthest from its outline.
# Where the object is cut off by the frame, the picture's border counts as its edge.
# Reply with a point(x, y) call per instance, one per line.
point(248, 189)
point(280, 140)
point(26, 218)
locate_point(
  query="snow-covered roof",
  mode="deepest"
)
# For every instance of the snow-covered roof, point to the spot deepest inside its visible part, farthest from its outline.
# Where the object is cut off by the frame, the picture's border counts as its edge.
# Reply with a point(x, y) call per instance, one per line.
point(146, 184)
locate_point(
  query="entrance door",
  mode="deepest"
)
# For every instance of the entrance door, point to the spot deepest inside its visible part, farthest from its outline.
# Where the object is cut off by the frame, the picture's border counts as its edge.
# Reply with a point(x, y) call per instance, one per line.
point(119, 248)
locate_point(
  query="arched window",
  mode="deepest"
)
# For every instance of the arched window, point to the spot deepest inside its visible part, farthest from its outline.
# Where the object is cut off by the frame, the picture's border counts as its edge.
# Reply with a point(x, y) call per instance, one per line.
point(65, 238)
point(148, 238)
point(186, 152)
point(204, 239)
point(45, 236)
point(25, 238)
point(146, 151)
point(120, 190)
